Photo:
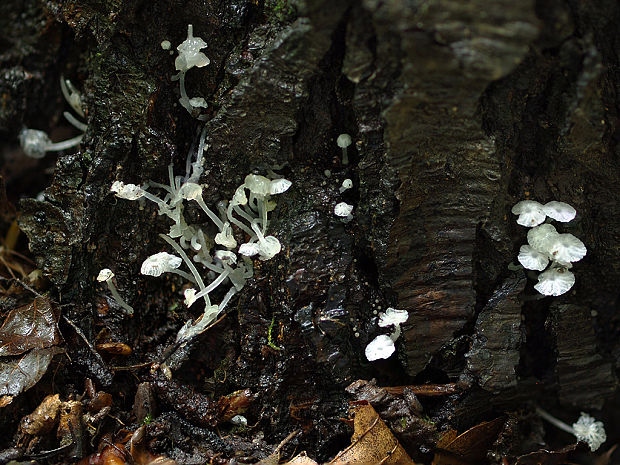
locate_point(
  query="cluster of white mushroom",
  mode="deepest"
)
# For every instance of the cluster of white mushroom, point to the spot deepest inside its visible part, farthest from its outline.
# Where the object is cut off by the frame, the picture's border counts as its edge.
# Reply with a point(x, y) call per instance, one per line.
point(248, 210)
point(36, 143)
point(547, 247)
point(383, 345)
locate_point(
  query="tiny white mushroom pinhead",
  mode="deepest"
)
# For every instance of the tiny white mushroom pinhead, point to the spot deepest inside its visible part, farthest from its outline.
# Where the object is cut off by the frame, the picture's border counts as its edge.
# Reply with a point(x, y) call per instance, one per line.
point(346, 184)
point(559, 211)
point(393, 317)
point(530, 213)
point(532, 259)
point(190, 296)
point(380, 347)
point(590, 431)
point(160, 263)
point(126, 191)
point(539, 237)
point(343, 141)
point(279, 186)
point(343, 209)
point(566, 248)
point(106, 275)
point(555, 281)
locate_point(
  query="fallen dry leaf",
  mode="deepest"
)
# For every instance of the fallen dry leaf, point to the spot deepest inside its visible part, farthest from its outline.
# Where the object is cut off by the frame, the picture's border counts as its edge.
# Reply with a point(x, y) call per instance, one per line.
point(301, 459)
point(372, 442)
point(471, 447)
point(44, 417)
point(20, 373)
point(31, 326)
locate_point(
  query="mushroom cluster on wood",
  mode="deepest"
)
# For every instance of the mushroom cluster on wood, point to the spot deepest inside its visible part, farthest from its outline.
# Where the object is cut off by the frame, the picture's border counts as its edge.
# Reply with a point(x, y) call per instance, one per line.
point(546, 245)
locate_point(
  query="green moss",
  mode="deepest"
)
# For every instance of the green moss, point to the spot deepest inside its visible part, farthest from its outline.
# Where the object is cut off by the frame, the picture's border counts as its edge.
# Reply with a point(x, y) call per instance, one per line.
point(280, 10)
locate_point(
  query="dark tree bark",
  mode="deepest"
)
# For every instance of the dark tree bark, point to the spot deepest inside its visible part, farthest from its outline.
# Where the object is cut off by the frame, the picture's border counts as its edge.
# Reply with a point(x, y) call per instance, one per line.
point(457, 110)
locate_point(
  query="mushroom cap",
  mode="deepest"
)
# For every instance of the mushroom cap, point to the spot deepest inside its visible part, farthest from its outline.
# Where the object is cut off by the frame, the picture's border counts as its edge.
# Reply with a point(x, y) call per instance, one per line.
point(532, 259)
point(190, 296)
point(160, 263)
point(559, 211)
point(249, 249)
point(34, 142)
point(343, 209)
point(530, 213)
point(190, 191)
point(539, 236)
point(104, 275)
point(190, 54)
point(126, 191)
point(380, 347)
point(269, 247)
point(239, 197)
point(226, 256)
point(565, 248)
point(278, 186)
point(225, 237)
point(347, 184)
point(344, 140)
point(590, 431)
point(393, 317)
point(555, 281)
point(257, 184)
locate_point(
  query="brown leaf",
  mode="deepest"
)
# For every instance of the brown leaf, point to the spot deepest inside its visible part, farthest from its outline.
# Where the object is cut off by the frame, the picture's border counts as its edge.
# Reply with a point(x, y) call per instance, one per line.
point(372, 442)
point(301, 459)
point(44, 417)
point(31, 326)
point(18, 374)
point(471, 447)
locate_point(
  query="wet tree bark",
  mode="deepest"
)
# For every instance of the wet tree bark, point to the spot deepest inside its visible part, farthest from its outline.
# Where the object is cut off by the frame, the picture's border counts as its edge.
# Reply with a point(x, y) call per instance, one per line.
point(458, 110)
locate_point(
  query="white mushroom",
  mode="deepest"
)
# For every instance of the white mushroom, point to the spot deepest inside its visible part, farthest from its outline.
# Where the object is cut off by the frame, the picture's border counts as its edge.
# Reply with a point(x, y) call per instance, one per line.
point(383, 345)
point(343, 141)
point(279, 186)
point(559, 211)
point(555, 281)
point(344, 210)
point(160, 263)
point(530, 213)
point(225, 237)
point(539, 237)
point(565, 248)
point(106, 275)
point(380, 347)
point(532, 259)
point(346, 184)
point(585, 429)
point(588, 430)
point(189, 52)
point(126, 191)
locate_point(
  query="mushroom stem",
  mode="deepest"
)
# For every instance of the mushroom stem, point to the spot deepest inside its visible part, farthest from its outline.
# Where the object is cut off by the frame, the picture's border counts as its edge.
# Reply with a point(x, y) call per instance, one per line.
point(554, 421)
point(345, 157)
point(189, 264)
point(119, 300)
